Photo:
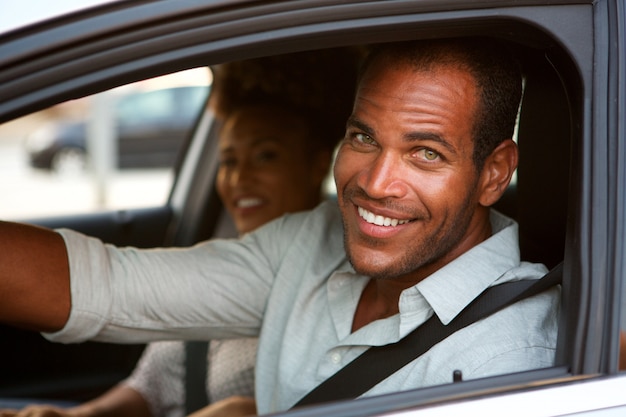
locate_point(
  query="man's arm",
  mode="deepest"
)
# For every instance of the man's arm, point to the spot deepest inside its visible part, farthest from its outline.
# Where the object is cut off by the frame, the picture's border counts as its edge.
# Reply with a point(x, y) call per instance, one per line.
point(34, 278)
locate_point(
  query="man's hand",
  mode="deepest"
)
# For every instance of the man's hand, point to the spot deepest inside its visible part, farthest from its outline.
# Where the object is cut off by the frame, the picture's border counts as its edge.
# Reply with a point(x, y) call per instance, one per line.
point(230, 407)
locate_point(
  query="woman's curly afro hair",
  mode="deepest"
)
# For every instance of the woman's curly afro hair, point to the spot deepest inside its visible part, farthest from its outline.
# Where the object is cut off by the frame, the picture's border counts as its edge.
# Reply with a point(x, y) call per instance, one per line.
point(317, 85)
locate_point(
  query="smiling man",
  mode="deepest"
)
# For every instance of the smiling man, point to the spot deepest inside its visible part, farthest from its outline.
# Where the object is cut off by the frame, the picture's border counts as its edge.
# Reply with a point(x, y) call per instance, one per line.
point(413, 194)
point(427, 151)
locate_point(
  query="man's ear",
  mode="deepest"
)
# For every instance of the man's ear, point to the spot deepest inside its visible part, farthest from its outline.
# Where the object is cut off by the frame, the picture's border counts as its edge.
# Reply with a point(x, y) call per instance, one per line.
point(497, 172)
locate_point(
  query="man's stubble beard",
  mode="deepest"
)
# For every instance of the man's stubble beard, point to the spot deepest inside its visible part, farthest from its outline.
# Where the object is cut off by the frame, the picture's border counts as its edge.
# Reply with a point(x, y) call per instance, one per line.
point(432, 248)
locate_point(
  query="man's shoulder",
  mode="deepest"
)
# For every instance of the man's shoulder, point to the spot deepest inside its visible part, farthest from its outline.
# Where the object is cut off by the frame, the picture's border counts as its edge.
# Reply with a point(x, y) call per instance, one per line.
point(318, 231)
point(325, 214)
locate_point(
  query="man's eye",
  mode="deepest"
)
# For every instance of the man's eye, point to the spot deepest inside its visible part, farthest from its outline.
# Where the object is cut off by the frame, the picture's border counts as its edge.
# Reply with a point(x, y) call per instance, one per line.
point(428, 154)
point(363, 138)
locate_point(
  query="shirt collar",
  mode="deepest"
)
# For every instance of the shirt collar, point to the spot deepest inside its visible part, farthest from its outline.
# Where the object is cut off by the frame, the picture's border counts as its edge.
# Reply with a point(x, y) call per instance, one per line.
point(453, 287)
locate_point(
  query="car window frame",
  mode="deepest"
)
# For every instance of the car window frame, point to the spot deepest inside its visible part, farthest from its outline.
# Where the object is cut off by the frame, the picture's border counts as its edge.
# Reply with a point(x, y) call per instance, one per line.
point(582, 266)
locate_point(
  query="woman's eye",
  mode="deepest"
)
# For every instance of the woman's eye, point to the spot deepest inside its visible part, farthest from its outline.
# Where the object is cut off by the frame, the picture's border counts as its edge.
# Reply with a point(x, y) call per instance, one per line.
point(265, 156)
point(228, 162)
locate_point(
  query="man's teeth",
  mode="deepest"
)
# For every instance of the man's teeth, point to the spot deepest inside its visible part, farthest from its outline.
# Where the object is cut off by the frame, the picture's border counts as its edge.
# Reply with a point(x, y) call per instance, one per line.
point(248, 202)
point(370, 217)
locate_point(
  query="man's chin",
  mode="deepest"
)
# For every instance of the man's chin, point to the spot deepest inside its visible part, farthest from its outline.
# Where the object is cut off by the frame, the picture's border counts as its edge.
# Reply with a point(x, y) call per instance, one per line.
point(371, 266)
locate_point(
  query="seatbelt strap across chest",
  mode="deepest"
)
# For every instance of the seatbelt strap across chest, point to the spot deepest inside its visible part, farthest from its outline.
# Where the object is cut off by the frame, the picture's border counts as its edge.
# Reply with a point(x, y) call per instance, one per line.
point(378, 362)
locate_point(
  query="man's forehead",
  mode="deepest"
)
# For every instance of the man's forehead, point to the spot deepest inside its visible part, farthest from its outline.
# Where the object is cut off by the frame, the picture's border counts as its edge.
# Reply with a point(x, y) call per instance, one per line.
point(401, 81)
point(384, 63)
point(433, 104)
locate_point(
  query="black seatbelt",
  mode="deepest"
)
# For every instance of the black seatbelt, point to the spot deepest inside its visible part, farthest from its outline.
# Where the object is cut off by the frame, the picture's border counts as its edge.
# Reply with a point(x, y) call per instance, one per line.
point(195, 376)
point(379, 362)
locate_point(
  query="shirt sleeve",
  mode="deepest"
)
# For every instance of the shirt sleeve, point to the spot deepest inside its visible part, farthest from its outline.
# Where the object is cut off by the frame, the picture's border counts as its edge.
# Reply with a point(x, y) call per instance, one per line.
point(216, 289)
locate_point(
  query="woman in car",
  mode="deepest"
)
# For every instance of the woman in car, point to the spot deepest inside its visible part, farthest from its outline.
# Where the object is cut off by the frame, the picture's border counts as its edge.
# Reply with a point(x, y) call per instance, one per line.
point(280, 120)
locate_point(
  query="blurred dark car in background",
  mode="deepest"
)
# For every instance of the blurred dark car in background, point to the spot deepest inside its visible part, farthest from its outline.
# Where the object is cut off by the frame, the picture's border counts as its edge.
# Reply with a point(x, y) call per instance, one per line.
point(151, 127)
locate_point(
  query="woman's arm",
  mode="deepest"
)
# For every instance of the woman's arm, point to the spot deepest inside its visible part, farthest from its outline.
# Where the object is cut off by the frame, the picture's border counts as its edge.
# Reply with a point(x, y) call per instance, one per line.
point(230, 407)
point(119, 401)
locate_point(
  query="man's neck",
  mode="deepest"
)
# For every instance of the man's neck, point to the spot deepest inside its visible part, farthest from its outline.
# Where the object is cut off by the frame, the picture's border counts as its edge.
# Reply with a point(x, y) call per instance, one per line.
point(379, 300)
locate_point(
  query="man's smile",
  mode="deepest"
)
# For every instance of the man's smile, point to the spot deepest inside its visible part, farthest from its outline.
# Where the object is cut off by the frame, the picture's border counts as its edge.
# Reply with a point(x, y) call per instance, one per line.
point(379, 220)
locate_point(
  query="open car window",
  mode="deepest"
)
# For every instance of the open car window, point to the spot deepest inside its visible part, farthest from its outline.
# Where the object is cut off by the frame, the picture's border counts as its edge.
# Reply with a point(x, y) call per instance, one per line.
point(126, 160)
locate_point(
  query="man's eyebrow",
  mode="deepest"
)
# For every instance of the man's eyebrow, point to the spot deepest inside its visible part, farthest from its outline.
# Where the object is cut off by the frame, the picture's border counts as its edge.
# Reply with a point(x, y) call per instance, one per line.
point(429, 136)
point(409, 137)
point(355, 122)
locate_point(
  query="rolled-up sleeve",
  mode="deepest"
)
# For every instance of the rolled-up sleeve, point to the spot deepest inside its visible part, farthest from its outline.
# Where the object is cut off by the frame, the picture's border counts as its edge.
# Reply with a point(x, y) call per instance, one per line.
point(216, 289)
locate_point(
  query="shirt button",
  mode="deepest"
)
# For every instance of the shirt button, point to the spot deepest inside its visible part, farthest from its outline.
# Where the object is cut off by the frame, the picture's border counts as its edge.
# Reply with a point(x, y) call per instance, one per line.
point(335, 358)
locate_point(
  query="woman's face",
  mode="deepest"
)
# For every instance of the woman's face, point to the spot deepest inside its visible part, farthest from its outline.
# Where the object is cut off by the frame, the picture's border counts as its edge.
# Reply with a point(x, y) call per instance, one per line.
point(266, 167)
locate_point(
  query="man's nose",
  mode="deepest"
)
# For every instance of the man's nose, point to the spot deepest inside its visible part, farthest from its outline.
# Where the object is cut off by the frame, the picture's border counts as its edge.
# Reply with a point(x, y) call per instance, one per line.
point(383, 177)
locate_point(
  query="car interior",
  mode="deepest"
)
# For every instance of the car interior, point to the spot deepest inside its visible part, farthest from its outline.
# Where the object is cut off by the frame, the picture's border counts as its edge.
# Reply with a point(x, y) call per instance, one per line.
point(543, 199)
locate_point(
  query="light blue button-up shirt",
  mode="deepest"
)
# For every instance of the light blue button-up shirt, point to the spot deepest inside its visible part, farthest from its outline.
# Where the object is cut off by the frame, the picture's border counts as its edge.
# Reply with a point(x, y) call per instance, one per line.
point(290, 283)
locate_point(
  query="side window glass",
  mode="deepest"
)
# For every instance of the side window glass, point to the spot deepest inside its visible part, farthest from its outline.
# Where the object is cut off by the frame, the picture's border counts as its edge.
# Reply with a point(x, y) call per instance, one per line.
point(147, 106)
point(50, 161)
